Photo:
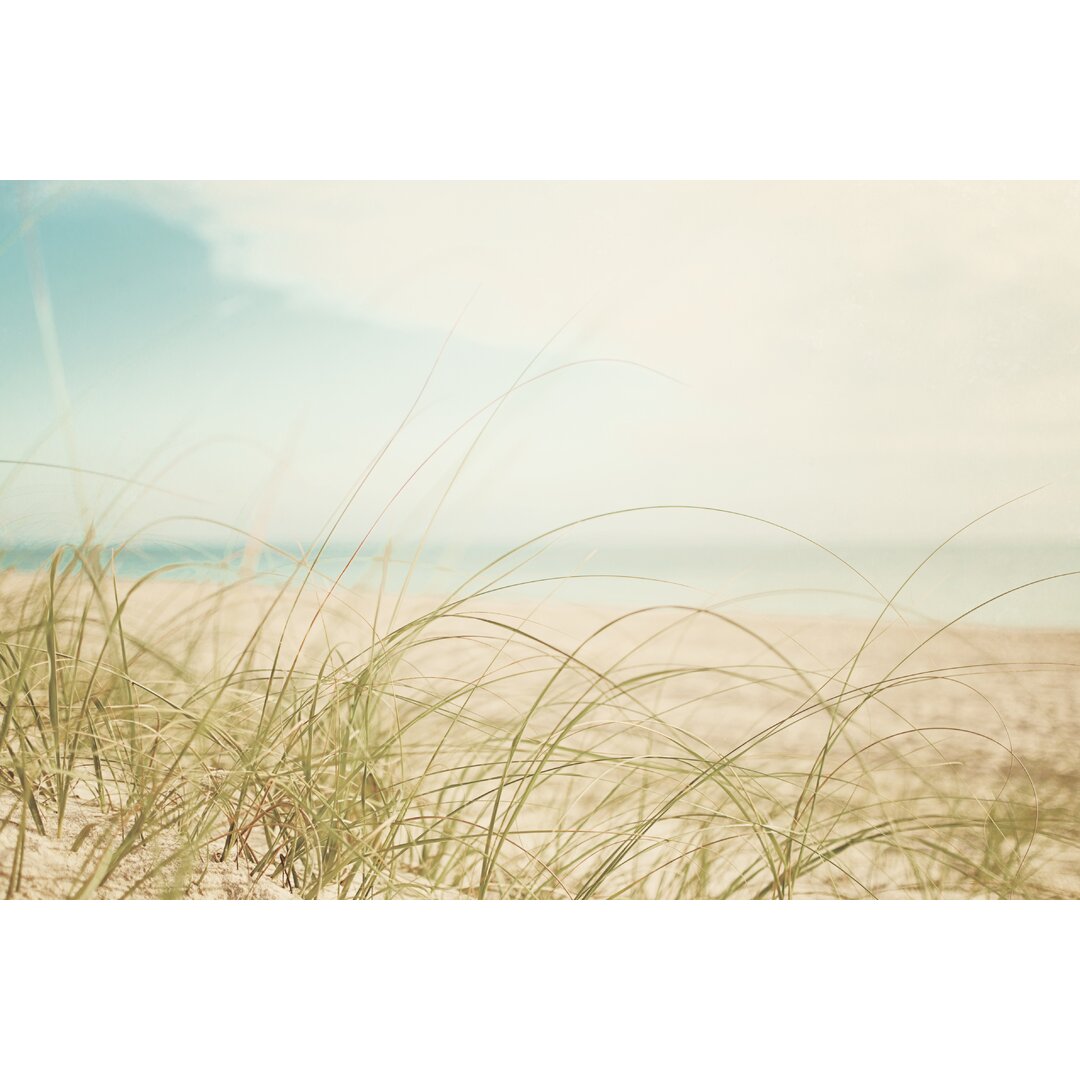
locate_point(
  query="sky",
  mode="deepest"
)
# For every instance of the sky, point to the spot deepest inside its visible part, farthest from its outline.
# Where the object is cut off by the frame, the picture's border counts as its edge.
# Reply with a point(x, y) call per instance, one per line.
point(865, 361)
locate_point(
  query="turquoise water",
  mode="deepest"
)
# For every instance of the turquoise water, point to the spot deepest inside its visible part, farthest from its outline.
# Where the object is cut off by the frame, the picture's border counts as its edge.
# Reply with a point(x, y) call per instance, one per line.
point(774, 578)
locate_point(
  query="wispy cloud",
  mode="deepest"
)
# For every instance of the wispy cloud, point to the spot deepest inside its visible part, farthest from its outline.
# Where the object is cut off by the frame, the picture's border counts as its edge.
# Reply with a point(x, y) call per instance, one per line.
point(870, 357)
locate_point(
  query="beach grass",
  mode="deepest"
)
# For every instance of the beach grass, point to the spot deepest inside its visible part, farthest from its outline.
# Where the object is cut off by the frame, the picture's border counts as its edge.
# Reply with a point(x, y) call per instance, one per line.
point(163, 738)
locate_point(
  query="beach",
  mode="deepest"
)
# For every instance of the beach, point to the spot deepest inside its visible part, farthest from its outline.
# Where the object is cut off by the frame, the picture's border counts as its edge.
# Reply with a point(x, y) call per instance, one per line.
point(246, 741)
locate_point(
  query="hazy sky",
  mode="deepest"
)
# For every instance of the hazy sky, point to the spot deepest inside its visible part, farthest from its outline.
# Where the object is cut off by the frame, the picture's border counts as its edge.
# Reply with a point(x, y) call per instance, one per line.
point(871, 361)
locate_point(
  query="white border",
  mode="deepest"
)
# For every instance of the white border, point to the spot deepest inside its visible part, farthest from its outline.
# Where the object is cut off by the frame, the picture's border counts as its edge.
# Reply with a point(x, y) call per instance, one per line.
point(568, 89)
point(514, 988)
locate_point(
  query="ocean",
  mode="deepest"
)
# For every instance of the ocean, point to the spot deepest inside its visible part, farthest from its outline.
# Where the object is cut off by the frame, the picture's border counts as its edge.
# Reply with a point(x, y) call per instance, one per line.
point(768, 578)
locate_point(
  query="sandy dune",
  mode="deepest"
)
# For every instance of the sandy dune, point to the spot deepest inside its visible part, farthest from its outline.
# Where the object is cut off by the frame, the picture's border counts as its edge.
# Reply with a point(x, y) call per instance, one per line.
point(970, 712)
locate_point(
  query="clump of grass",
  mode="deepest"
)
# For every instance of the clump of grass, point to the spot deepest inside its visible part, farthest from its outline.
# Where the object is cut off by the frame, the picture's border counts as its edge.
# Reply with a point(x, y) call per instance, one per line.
point(337, 745)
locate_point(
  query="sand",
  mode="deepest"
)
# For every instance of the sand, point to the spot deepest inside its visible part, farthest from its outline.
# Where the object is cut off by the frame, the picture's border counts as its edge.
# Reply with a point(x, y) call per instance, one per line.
point(996, 699)
point(54, 865)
